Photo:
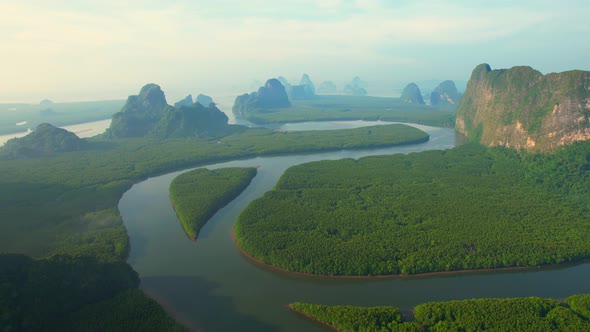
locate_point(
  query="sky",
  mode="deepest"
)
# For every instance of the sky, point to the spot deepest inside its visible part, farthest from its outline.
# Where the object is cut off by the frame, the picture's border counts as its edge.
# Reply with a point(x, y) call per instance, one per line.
point(105, 49)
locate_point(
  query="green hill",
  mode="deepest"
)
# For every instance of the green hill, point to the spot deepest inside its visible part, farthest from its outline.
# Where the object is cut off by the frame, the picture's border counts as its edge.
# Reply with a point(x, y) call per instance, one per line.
point(44, 140)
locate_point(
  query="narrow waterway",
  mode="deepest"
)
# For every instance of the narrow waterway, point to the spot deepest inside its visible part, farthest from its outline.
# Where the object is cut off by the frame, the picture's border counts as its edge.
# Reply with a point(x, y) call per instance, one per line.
point(208, 284)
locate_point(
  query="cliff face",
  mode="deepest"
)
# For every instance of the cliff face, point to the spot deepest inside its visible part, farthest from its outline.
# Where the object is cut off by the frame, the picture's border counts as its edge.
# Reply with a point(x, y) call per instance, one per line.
point(412, 94)
point(140, 114)
point(270, 96)
point(523, 109)
point(195, 120)
point(445, 93)
point(148, 115)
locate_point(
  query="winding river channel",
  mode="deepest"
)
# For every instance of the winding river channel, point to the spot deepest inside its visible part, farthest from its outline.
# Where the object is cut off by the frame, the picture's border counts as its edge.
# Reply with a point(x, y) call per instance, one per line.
point(208, 285)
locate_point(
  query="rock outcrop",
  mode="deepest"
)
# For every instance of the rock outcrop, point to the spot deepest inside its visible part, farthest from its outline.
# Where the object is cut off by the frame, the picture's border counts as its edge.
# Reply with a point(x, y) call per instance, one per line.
point(445, 93)
point(412, 94)
point(44, 140)
point(521, 108)
point(148, 115)
point(187, 101)
point(271, 96)
point(305, 89)
point(195, 120)
point(204, 100)
point(356, 87)
point(140, 114)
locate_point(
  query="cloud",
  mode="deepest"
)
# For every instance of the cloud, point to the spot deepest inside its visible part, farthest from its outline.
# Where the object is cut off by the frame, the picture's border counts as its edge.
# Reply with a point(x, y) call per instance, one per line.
point(89, 43)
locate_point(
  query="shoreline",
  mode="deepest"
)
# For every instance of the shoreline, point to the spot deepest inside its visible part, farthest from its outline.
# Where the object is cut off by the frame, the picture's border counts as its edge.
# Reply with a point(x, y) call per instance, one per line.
point(311, 318)
point(390, 276)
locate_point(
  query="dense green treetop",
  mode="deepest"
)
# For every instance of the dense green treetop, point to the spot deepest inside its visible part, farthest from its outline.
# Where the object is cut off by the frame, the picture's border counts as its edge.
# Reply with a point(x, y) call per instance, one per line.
point(197, 195)
point(75, 195)
point(466, 208)
point(503, 314)
point(38, 295)
point(524, 109)
point(348, 318)
point(66, 204)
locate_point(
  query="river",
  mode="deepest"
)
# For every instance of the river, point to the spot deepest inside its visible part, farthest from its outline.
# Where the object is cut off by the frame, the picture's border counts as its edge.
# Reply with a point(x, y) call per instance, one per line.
point(207, 284)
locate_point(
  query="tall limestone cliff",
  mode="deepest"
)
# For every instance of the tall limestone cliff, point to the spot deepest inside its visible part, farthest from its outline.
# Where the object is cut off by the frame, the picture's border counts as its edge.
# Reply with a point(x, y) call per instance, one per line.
point(270, 96)
point(140, 114)
point(412, 94)
point(187, 101)
point(148, 115)
point(204, 99)
point(523, 109)
point(305, 89)
point(445, 93)
point(195, 120)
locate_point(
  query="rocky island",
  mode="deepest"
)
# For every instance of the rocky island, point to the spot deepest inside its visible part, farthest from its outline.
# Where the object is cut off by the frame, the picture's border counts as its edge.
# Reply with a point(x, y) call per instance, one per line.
point(270, 96)
point(148, 114)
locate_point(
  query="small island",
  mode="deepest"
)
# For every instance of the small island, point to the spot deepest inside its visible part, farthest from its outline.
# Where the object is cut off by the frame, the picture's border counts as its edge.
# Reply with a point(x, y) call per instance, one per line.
point(497, 314)
point(197, 195)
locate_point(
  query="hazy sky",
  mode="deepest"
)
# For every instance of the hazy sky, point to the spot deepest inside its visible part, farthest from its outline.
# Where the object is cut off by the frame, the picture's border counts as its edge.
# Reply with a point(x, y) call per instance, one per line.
point(83, 50)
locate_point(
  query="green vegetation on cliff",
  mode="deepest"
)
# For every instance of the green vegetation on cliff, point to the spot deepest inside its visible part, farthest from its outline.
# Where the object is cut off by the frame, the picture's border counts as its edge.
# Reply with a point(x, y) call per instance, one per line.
point(326, 108)
point(131, 310)
point(465, 208)
point(523, 109)
point(197, 195)
point(149, 115)
point(508, 314)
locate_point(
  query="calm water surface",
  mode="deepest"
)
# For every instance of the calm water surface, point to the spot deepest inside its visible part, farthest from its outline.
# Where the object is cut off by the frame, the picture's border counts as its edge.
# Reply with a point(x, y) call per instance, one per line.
point(209, 285)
